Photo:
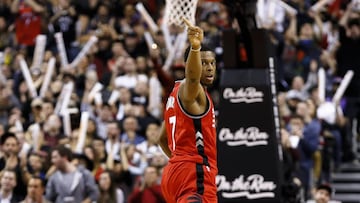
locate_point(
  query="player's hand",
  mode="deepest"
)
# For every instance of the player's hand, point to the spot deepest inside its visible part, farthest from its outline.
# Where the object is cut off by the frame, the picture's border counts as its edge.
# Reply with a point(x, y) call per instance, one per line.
point(195, 34)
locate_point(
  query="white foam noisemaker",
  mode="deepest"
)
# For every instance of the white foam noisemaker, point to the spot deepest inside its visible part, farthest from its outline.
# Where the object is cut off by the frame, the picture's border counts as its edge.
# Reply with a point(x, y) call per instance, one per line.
point(39, 51)
point(167, 37)
point(327, 112)
point(61, 49)
point(343, 85)
point(320, 4)
point(321, 86)
point(113, 97)
point(47, 78)
point(98, 98)
point(154, 96)
point(96, 88)
point(266, 13)
point(176, 9)
point(59, 101)
point(35, 132)
point(181, 44)
point(67, 123)
point(84, 51)
point(64, 99)
point(149, 40)
point(28, 79)
point(178, 45)
point(2, 77)
point(150, 22)
point(287, 8)
point(19, 126)
point(82, 132)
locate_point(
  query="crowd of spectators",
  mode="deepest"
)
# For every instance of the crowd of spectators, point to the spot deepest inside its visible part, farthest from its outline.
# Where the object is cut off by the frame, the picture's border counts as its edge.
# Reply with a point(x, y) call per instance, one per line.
point(120, 158)
point(313, 39)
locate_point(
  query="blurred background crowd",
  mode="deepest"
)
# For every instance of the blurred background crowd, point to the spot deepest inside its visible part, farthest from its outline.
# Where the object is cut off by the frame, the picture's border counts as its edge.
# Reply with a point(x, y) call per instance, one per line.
point(120, 149)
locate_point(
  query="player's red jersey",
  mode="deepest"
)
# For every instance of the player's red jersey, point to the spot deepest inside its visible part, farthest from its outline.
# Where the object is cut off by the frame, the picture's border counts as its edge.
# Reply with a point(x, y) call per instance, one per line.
point(191, 138)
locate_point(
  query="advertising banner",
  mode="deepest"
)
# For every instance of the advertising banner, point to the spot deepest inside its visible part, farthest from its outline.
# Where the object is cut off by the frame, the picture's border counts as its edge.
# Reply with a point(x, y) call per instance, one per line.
point(248, 137)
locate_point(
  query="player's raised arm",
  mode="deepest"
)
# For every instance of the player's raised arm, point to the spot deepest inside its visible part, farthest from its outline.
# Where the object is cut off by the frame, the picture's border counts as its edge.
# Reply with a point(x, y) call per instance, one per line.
point(193, 68)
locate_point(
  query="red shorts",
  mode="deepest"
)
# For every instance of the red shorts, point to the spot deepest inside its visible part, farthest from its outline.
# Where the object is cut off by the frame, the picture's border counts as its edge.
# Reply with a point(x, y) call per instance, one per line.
point(184, 182)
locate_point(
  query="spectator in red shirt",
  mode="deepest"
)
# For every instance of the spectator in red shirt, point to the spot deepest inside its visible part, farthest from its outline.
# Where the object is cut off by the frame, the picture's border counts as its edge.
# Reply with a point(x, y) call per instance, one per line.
point(149, 190)
point(28, 20)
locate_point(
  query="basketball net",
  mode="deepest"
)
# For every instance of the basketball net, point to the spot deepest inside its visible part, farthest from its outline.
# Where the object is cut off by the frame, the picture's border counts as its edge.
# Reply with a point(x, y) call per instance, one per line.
point(176, 9)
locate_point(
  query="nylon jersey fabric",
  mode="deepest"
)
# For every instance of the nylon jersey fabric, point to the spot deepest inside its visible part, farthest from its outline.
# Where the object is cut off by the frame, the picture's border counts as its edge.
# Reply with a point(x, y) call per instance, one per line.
point(192, 167)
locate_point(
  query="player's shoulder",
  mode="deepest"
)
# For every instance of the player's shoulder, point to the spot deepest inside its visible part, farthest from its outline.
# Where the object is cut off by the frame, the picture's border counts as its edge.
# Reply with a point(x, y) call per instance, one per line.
point(178, 82)
point(177, 85)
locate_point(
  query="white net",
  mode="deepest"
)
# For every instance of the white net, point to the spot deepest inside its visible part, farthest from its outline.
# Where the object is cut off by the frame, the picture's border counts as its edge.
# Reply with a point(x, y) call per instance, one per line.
point(175, 9)
point(356, 4)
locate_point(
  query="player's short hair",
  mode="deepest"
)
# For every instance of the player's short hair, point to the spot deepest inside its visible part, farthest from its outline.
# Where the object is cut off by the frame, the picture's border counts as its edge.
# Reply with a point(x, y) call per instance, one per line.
point(187, 51)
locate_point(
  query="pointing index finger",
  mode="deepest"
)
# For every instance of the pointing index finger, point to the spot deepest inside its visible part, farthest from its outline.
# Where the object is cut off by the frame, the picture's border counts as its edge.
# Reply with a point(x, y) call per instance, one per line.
point(187, 22)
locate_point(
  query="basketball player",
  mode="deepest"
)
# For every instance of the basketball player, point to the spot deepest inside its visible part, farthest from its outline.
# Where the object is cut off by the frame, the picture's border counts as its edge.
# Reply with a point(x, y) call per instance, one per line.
point(188, 135)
